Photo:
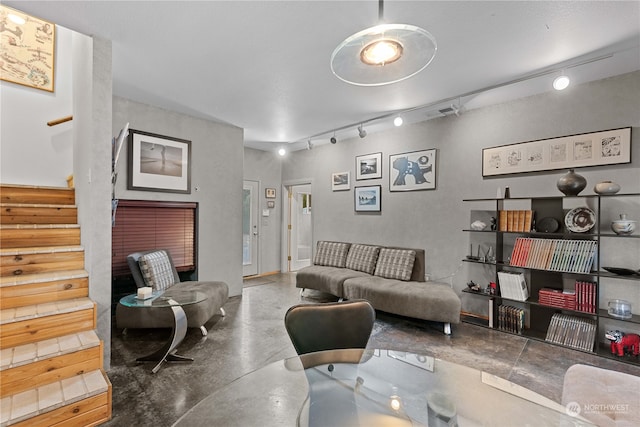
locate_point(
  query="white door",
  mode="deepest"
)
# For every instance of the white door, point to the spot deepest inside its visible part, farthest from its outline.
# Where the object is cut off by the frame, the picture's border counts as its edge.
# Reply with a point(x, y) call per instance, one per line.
point(250, 228)
point(300, 239)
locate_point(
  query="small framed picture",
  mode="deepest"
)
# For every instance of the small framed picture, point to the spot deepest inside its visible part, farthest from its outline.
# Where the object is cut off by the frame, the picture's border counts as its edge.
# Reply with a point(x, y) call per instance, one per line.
point(369, 166)
point(367, 199)
point(271, 204)
point(270, 193)
point(340, 181)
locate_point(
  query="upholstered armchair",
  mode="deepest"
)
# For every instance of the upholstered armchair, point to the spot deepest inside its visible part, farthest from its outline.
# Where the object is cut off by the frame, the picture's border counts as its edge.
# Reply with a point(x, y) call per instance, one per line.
point(155, 269)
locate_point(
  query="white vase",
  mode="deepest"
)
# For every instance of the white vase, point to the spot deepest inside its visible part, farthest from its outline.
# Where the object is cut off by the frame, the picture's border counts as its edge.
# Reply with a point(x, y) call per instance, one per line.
point(606, 187)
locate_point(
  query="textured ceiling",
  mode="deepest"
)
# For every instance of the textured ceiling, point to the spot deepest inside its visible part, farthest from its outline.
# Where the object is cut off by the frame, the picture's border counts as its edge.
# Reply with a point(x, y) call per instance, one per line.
point(264, 65)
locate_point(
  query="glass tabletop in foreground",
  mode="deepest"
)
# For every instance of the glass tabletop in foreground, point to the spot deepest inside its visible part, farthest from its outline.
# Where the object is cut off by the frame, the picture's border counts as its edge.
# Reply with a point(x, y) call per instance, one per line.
point(384, 387)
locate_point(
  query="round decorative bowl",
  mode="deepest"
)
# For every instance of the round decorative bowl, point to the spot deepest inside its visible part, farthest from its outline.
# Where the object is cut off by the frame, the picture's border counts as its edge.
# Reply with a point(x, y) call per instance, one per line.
point(623, 226)
point(620, 309)
point(606, 187)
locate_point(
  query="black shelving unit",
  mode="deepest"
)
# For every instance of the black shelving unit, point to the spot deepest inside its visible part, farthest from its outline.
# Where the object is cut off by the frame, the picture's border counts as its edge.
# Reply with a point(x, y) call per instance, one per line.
point(540, 315)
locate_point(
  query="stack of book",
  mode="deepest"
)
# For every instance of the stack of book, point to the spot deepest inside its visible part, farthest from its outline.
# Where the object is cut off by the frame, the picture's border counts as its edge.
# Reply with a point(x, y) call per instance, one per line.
point(511, 319)
point(518, 221)
point(513, 286)
point(585, 296)
point(572, 256)
point(571, 331)
point(557, 298)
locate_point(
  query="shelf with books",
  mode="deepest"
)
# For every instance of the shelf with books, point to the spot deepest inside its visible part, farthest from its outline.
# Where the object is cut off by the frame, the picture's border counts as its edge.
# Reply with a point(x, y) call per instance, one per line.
point(562, 258)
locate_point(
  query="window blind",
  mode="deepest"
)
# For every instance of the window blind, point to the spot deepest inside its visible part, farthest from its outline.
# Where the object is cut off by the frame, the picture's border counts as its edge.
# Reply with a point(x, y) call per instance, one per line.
point(142, 225)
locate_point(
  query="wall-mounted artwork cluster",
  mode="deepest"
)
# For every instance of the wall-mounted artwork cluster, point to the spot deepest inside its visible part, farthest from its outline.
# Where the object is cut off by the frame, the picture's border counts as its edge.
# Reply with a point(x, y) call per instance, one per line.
point(410, 171)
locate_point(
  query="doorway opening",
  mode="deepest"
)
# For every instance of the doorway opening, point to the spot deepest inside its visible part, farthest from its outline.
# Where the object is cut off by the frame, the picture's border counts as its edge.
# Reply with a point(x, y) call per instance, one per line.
point(299, 225)
point(250, 236)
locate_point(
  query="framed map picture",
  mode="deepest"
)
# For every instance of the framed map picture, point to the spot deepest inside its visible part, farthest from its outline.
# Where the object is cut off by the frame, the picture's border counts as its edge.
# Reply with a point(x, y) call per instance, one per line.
point(27, 49)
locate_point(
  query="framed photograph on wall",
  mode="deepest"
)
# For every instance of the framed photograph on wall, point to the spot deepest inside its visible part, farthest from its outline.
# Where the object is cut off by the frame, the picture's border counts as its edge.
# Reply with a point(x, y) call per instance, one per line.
point(270, 193)
point(271, 204)
point(414, 170)
point(367, 199)
point(369, 166)
point(340, 181)
point(607, 147)
point(158, 163)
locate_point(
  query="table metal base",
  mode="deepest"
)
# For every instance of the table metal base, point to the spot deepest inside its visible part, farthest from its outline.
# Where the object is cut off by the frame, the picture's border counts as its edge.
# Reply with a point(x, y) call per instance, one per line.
point(167, 353)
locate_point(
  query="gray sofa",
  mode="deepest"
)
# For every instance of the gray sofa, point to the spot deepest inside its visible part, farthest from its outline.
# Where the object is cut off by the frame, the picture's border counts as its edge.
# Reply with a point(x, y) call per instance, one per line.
point(167, 279)
point(391, 279)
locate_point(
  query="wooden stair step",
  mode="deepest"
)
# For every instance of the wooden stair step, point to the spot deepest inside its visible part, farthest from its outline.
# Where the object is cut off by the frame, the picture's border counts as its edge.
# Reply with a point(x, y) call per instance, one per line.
point(32, 289)
point(32, 323)
point(11, 193)
point(17, 261)
point(46, 403)
point(26, 213)
point(29, 353)
point(27, 235)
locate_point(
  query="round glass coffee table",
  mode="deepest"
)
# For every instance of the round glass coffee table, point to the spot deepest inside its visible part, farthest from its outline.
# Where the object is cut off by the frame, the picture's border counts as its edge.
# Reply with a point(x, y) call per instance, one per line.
point(179, 330)
point(371, 388)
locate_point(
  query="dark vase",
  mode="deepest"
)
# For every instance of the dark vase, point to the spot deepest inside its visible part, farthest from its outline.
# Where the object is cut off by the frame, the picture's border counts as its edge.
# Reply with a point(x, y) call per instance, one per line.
point(571, 184)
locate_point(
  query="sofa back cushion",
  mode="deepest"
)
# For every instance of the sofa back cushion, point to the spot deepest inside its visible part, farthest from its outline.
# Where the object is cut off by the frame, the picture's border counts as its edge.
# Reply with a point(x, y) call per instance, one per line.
point(395, 263)
point(363, 258)
point(157, 270)
point(331, 254)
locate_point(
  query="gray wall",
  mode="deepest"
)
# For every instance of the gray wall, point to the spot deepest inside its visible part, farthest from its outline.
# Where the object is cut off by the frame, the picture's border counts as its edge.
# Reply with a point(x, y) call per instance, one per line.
point(216, 156)
point(434, 219)
point(265, 167)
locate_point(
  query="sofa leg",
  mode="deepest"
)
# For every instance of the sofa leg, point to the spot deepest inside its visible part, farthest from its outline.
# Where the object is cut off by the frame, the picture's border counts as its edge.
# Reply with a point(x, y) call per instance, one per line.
point(204, 331)
point(222, 312)
point(447, 328)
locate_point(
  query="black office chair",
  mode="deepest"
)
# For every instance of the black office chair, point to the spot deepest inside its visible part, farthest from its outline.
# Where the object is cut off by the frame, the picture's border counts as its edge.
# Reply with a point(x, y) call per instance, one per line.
point(330, 326)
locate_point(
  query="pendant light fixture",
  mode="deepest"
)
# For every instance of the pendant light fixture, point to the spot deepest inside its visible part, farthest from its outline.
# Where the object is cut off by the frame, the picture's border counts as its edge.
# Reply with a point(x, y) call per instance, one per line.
point(383, 54)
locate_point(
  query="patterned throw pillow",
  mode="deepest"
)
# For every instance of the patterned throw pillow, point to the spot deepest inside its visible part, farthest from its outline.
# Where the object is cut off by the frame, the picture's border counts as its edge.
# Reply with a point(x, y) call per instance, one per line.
point(363, 258)
point(331, 254)
point(395, 263)
point(156, 270)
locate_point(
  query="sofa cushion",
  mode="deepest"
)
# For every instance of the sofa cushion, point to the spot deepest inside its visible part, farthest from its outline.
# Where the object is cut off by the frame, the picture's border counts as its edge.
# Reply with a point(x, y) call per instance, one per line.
point(156, 270)
point(395, 263)
point(331, 254)
point(325, 279)
point(433, 301)
point(363, 258)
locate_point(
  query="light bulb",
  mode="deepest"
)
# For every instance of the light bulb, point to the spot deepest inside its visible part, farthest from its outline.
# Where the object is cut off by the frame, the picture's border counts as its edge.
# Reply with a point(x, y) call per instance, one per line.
point(282, 151)
point(561, 82)
point(381, 52)
point(398, 121)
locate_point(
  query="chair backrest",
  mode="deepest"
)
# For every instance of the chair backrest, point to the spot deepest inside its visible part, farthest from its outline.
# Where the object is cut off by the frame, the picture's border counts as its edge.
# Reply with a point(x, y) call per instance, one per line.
point(330, 326)
point(159, 271)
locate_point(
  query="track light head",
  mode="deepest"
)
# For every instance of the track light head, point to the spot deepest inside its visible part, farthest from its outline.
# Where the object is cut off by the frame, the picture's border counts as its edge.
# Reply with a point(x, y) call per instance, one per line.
point(333, 140)
point(361, 132)
point(309, 145)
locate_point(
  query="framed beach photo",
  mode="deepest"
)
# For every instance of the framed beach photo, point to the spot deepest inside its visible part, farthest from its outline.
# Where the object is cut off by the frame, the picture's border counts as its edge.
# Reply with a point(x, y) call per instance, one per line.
point(411, 171)
point(340, 181)
point(369, 166)
point(367, 199)
point(158, 163)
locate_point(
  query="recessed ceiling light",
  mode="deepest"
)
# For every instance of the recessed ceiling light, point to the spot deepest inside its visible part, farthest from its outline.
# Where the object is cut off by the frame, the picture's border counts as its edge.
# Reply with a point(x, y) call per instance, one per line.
point(398, 121)
point(282, 151)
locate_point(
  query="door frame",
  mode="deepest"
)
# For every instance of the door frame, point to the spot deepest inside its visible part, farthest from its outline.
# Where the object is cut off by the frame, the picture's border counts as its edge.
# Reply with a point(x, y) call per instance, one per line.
point(256, 213)
point(284, 248)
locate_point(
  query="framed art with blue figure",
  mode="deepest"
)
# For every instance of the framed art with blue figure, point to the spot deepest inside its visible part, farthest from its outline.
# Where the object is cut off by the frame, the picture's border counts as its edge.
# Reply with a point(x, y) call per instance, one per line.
point(414, 170)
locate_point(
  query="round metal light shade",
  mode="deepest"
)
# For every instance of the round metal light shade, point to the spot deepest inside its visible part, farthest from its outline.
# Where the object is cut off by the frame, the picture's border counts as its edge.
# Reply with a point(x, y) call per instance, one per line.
point(417, 49)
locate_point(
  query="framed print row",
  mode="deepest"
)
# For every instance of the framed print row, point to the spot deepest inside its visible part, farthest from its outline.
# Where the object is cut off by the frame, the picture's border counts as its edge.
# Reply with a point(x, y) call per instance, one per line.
point(588, 149)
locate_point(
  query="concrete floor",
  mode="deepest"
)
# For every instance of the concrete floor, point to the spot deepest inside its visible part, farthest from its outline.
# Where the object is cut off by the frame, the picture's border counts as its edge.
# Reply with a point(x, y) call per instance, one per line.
point(252, 335)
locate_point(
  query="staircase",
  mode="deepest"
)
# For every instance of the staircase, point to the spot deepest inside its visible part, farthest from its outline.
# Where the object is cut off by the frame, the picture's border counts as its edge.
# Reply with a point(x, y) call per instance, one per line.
point(51, 360)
